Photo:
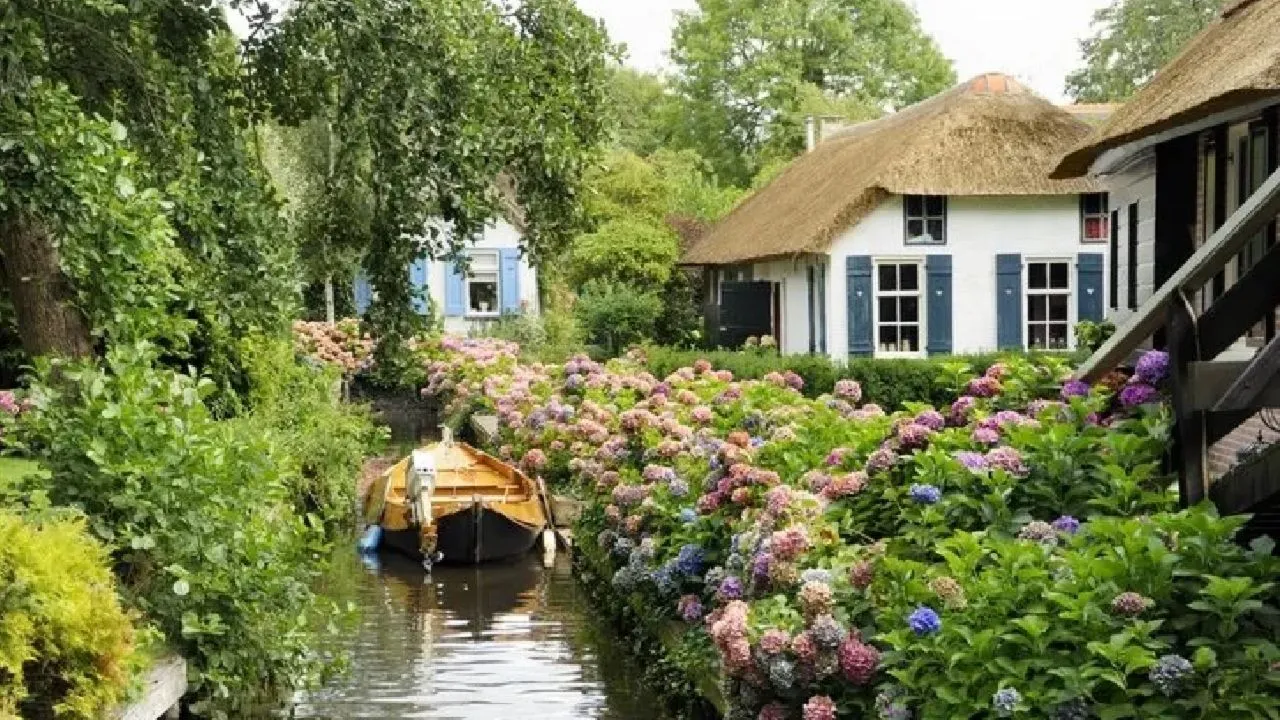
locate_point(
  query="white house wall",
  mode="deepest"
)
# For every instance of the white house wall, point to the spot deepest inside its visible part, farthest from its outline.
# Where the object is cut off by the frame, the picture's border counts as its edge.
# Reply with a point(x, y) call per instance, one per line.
point(978, 229)
point(1136, 183)
point(496, 237)
point(793, 277)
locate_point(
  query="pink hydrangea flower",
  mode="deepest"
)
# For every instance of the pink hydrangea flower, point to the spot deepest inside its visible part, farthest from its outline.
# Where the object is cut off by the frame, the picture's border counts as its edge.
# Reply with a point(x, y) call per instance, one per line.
point(819, 707)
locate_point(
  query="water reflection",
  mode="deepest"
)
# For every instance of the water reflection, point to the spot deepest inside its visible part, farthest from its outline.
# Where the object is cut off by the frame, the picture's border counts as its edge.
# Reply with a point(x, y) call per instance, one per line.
point(493, 643)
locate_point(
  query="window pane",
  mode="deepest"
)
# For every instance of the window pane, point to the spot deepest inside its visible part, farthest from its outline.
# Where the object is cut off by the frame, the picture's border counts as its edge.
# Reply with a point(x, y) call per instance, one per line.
point(910, 309)
point(1037, 276)
point(888, 277)
point(910, 277)
point(889, 338)
point(935, 205)
point(1058, 276)
point(1058, 336)
point(888, 309)
point(1095, 228)
point(1095, 203)
point(1058, 307)
point(915, 206)
point(484, 296)
point(1037, 336)
point(937, 230)
point(910, 339)
point(915, 228)
point(1037, 310)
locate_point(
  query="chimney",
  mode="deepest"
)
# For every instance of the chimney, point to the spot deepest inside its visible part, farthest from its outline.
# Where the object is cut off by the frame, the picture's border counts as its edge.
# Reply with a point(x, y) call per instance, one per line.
point(810, 133)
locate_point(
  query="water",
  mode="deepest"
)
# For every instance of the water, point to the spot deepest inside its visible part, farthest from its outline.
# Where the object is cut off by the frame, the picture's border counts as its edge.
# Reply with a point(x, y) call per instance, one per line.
point(499, 642)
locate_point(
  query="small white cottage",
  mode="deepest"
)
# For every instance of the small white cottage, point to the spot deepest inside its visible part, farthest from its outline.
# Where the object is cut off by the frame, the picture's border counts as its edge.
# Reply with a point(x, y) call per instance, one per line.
point(934, 230)
point(500, 280)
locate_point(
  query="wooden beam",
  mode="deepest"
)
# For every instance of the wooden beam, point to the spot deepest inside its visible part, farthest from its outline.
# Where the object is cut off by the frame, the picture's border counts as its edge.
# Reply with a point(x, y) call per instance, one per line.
point(1190, 446)
point(1246, 222)
point(1248, 299)
point(1211, 380)
point(1257, 377)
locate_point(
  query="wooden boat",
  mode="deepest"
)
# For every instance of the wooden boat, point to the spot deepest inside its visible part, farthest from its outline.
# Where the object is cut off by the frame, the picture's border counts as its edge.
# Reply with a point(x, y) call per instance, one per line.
point(452, 503)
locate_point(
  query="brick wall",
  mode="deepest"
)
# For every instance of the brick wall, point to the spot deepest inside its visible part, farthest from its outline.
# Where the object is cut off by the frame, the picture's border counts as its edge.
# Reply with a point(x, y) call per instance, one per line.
point(1224, 453)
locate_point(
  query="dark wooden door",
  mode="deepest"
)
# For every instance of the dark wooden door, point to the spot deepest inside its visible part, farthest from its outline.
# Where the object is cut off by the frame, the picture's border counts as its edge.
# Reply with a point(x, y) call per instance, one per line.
point(746, 310)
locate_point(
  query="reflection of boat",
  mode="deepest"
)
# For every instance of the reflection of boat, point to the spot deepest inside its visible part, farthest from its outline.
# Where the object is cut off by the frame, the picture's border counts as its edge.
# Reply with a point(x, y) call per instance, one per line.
point(455, 504)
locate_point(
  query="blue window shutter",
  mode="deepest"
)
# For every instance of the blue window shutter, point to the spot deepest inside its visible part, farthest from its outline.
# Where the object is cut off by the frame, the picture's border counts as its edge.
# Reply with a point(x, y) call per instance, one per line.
point(509, 280)
point(363, 293)
point(1089, 293)
point(938, 290)
point(1009, 302)
point(858, 288)
point(419, 271)
point(454, 301)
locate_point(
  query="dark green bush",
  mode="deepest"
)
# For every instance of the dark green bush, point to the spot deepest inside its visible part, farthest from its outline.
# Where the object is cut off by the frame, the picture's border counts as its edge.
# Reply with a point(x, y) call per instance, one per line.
point(888, 383)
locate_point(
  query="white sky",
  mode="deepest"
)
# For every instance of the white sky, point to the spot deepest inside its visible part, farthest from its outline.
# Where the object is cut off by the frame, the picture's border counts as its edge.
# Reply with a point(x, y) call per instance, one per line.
point(1036, 41)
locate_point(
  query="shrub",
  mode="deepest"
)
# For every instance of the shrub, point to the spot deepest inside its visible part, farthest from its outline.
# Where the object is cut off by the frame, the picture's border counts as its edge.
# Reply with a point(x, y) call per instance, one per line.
point(634, 251)
point(65, 644)
point(320, 441)
point(197, 513)
point(615, 315)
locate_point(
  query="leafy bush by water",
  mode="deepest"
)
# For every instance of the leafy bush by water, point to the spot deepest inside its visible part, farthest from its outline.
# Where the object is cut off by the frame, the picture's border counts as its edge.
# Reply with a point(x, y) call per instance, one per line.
point(198, 514)
point(65, 643)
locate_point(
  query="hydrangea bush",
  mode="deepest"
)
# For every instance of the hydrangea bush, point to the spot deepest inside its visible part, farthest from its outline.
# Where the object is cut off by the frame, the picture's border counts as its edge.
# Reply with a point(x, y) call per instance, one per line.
point(1014, 554)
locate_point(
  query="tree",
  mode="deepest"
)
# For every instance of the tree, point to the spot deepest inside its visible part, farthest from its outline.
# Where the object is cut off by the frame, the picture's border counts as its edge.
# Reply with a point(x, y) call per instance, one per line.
point(431, 101)
point(746, 66)
point(643, 110)
point(1132, 40)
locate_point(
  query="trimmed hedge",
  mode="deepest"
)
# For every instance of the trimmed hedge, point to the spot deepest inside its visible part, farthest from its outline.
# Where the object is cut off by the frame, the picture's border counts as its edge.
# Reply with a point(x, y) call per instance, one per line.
point(888, 383)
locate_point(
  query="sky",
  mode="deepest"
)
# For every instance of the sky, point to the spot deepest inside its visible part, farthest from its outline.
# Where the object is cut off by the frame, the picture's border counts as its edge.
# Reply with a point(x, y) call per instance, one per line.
point(1036, 41)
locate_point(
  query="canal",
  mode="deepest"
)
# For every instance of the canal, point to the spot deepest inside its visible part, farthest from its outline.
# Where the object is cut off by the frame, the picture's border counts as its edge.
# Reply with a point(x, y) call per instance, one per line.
point(504, 642)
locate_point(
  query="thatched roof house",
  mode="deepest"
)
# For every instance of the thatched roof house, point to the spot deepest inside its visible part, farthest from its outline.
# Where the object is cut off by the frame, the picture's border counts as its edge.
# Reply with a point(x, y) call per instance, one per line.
point(1232, 63)
point(989, 136)
point(1197, 250)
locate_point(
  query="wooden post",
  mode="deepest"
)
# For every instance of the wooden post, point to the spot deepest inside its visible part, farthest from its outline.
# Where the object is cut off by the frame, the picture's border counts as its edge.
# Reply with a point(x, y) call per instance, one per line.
point(1189, 425)
point(1177, 164)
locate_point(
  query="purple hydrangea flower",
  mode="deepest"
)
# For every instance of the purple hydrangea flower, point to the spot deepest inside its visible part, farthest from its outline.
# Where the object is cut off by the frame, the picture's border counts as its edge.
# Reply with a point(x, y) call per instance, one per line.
point(931, 419)
point(690, 608)
point(1074, 388)
point(881, 460)
point(678, 488)
point(1152, 367)
point(1136, 394)
point(914, 435)
point(730, 589)
point(1067, 524)
point(924, 621)
point(848, 390)
point(973, 461)
point(690, 560)
point(925, 494)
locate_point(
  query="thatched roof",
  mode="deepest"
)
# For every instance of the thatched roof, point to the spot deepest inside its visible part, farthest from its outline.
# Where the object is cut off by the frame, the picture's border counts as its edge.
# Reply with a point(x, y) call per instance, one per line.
point(1093, 113)
point(1233, 62)
point(988, 136)
point(688, 228)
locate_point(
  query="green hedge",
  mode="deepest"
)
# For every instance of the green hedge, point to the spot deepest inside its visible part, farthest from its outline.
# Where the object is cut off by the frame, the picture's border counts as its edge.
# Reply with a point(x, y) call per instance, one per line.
point(888, 383)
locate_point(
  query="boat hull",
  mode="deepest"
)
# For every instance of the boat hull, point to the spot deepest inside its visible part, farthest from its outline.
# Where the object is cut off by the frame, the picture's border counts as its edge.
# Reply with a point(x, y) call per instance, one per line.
point(468, 536)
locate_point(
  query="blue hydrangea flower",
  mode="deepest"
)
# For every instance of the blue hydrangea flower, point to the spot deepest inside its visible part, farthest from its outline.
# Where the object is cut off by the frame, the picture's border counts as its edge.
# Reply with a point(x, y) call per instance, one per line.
point(818, 575)
point(1005, 701)
point(782, 672)
point(827, 632)
point(689, 561)
point(688, 516)
point(667, 579)
point(1067, 524)
point(924, 621)
point(678, 488)
point(926, 494)
point(623, 547)
point(1169, 672)
point(624, 579)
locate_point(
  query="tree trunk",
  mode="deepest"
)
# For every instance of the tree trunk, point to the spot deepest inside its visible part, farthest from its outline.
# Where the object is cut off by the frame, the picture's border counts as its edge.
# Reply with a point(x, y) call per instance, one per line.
point(329, 312)
point(49, 322)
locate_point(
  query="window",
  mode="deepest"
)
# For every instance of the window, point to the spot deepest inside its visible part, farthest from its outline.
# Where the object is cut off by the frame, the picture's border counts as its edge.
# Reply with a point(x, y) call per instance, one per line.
point(1094, 220)
point(482, 284)
point(1133, 256)
point(1048, 304)
point(926, 219)
point(1114, 281)
point(898, 326)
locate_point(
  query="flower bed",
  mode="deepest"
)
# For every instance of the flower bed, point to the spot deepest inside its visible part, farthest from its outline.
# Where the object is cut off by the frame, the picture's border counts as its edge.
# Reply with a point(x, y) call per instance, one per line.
point(1013, 553)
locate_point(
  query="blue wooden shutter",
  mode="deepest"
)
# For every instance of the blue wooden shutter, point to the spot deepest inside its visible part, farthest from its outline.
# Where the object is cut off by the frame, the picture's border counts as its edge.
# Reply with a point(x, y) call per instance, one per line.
point(938, 291)
point(509, 280)
point(859, 297)
point(1089, 295)
point(363, 292)
point(454, 295)
point(1009, 302)
point(419, 271)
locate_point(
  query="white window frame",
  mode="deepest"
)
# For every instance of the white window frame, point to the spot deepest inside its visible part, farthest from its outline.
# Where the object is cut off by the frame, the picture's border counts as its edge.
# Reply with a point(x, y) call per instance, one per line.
point(497, 283)
point(921, 312)
point(1069, 292)
point(1104, 218)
